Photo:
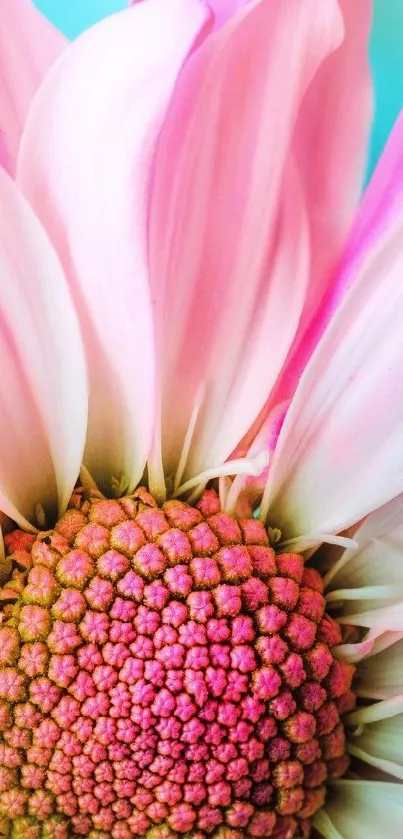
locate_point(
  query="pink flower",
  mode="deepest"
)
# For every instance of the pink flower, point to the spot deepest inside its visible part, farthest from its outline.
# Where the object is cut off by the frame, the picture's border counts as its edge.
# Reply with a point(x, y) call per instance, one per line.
point(190, 285)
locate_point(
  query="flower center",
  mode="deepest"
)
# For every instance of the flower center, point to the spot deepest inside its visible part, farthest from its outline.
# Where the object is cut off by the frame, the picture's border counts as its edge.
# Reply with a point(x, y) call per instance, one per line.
point(163, 671)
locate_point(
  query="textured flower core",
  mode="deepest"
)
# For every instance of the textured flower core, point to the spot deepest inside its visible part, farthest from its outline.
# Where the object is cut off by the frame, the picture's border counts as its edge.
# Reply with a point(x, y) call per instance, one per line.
point(163, 672)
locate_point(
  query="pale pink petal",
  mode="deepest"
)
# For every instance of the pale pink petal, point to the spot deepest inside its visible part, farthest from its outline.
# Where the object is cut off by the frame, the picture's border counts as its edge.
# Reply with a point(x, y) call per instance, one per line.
point(340, 450)
point(43, 394)
point(331, 146)
point(4, 156)
point(362, 810)
point(371, 575)
point(225, 9)
point(381, 205)
point(251, 488)
point(84, 164)
point(374, 642)
point(28, 47)
point(383, 199)
point(229, 249)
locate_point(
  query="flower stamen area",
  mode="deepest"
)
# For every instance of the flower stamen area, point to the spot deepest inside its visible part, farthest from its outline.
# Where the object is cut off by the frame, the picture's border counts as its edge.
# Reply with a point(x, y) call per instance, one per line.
point(164, 672)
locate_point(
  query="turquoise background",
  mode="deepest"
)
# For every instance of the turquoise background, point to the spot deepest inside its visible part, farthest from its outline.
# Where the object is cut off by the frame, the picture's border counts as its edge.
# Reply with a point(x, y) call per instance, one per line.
point(72, 16)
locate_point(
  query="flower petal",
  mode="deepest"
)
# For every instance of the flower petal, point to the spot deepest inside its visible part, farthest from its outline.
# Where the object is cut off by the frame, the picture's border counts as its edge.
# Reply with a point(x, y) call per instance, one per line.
point(340, 449)
point(379, 540)
point(381, 745)
point(43, 393)
point(335, 120)
point(225, 9)
point(84, 164)
point(227, 219)
point(381, 675)
point(361, 809)
point(382, 202)
point(387, 618)
point(380, 207)
point(371, 575)
point(28, 47)
point(374, 642)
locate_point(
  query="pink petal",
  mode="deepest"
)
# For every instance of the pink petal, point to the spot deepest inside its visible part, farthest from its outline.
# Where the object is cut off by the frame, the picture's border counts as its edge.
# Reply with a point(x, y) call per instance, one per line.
point(382, 201)
point(229, 249)
point(4, 156)
point(43, 396)
point(376, 560)
point(381, 206)
point(331, 142)
point(264, 439)
point(28, 47)
point(340, 451)
point(225, 9)
point(369, 576)
point(84, 164)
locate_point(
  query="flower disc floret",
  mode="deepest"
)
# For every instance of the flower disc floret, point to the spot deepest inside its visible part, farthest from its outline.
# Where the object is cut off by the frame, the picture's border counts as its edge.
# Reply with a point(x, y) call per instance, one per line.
point(164, 673)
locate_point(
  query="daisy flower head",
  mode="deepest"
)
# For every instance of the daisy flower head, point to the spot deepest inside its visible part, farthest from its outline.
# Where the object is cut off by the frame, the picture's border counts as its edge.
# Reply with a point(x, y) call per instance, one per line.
point(201, 449)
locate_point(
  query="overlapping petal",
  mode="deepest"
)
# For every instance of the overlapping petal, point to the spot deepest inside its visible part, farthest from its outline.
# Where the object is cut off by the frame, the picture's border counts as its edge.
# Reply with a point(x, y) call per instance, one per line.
point(382, 202)
point(381, 675)
point(43, 394)
point(331, 162)
point(379, 209)
point(360, 809)
point(331, 141)
point(29, 45)
point(380, 744)
point(84, 164)
point(225, 9)
point(229, 250)
point(340, 450)
point(371, 575)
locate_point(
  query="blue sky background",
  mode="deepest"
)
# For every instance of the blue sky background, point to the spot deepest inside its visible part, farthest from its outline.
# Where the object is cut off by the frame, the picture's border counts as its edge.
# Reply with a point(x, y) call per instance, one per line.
point(72, 16)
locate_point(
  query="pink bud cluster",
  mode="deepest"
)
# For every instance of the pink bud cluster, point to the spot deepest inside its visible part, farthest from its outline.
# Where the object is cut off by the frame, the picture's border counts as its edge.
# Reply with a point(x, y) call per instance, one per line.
point(163, 673)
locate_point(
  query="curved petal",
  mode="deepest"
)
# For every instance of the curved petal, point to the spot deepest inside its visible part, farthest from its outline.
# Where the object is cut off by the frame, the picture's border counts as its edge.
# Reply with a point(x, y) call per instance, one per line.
point(380, 744)
point(387, 618)
point(331, 145)
point(340, 449)
point(373, 643)
point(381, 676)
point(381, 206)
point(248, 488)
point(225, 9)
point(84, 164)
point(228, 217)
point(371, 575)
point(43, 394)
point(361, 809)
point(382, 202)
point(29, 45)
point(379, 539)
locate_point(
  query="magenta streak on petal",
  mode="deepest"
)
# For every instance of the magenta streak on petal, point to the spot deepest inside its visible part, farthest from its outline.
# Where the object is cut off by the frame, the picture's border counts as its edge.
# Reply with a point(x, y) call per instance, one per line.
point(380, 206)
